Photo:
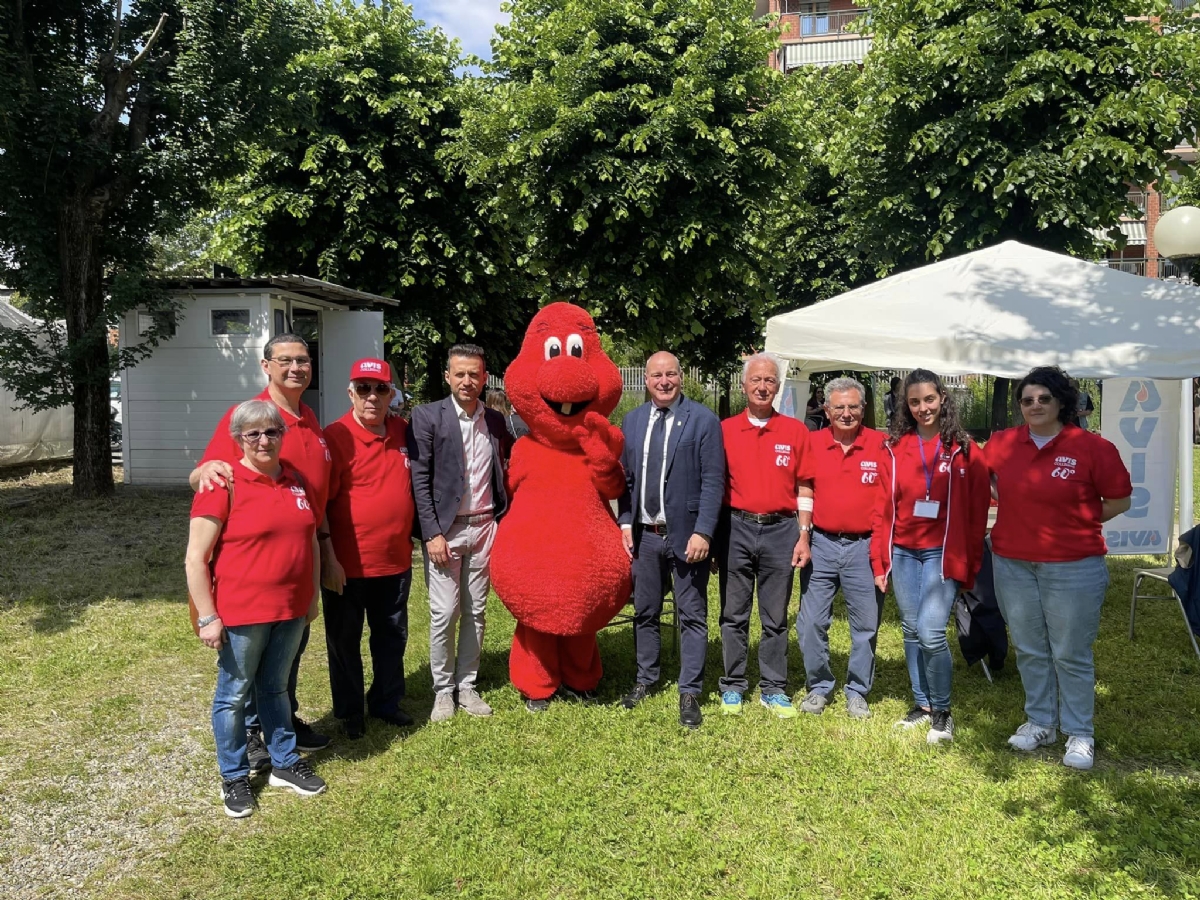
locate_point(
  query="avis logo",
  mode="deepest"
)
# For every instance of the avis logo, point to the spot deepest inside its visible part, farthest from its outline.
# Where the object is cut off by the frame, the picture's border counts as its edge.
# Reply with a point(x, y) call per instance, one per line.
point(1140, 397)
point(1133, 539)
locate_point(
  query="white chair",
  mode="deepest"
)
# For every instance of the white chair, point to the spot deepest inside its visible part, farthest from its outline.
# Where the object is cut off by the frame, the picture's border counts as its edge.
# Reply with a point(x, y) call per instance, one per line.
point(1157, 575)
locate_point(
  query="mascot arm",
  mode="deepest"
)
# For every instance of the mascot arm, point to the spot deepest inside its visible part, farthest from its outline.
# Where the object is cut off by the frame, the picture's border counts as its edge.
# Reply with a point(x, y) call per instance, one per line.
point(602, 445)
point(518, 468)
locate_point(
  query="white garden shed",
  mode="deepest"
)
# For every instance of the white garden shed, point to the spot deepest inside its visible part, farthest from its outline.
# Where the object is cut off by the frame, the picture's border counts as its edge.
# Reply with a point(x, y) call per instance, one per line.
point(27, 436)
point(171, 402)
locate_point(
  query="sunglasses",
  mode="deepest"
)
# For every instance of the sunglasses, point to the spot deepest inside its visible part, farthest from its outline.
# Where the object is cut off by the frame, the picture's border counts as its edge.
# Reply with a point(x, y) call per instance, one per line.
point(1040, 400)
point(364, 389)
point(271, 434)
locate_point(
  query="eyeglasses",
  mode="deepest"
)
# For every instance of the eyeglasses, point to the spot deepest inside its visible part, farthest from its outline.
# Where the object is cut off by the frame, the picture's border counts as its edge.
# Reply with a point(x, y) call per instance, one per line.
point(366, 389)
point(842, 410)
point(768, 381)
point(253, 437)
point(300, 362)
point(1040, 400)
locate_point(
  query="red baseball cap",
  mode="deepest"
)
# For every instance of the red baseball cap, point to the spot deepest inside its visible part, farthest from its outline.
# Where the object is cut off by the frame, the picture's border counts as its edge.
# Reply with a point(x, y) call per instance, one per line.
point(371, 370)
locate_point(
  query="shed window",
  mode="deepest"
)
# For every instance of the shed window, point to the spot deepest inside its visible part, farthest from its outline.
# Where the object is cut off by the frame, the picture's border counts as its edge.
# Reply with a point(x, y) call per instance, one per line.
point(230, 321)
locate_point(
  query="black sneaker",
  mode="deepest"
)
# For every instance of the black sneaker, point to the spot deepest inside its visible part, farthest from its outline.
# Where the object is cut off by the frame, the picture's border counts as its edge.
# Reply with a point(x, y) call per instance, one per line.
point(398, 719)
point(916, 716)
point(256, 752)
point(299, 778)
point(239, 799)
point(354, 727)
point(941, 727)
point(308, 740)
point(573, 696)
point(536, 706)
point(636, 696)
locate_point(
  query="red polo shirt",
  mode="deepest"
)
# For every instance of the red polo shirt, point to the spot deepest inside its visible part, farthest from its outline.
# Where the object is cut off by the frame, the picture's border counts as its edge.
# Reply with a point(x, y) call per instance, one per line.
point(917, 532)
point(303, 449)
point(846, 484)
point(262, 564)
point(1049, 499)
point(370, 505)
point(765, 465)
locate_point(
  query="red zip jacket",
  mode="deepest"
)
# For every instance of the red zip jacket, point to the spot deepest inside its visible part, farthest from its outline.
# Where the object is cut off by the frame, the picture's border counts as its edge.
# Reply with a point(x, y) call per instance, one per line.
point(966, 517)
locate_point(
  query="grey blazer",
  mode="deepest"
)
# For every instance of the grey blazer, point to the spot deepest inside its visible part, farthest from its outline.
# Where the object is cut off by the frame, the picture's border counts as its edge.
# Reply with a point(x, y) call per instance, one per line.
point(435, 453)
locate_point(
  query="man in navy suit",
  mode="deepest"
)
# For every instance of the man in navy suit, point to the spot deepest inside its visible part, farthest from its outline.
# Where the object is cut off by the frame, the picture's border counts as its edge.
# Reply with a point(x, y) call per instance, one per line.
point(675, 479)
point(458, 450)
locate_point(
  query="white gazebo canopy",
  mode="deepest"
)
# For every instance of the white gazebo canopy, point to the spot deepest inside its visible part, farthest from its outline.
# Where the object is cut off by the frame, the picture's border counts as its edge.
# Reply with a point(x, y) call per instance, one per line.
point(1001, 311)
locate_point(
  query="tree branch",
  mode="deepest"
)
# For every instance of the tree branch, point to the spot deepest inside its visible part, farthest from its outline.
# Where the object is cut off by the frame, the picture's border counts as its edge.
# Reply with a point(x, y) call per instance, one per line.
point(116, 30)
point(150, 42)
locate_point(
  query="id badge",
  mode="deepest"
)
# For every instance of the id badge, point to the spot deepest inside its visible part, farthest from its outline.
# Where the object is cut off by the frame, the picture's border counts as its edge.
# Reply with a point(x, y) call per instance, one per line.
point(926, 509)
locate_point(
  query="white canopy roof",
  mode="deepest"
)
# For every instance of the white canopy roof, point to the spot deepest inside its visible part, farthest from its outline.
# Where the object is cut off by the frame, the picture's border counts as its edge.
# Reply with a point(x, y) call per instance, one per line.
point(1001, 311)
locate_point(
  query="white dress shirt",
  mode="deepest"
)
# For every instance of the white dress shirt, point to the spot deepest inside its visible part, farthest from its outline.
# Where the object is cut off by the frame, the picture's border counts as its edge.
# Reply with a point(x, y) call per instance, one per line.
point(669, 414)
point(477, 461)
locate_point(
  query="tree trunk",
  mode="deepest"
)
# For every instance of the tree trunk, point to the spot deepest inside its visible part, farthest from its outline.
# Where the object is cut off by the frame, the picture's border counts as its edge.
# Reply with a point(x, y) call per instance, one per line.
point(87, 335)
point(723, 401)
point(1000, 392)
point(868, 401)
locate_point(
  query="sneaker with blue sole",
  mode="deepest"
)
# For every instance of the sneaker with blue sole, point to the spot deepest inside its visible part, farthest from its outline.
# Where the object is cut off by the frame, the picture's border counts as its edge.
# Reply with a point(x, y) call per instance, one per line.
point(780, 705)
point(731, 703)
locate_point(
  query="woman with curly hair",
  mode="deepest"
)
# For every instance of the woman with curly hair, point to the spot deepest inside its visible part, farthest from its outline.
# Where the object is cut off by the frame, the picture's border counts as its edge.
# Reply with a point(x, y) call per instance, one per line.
point(1056, 484)
point(928, 536)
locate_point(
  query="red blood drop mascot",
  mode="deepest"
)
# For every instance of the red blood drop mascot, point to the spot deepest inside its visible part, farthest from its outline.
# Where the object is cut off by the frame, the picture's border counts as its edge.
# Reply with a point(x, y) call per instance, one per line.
point(558, 562)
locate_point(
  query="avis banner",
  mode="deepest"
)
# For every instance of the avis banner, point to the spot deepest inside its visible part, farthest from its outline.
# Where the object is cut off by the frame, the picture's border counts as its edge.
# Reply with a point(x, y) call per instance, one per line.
point(1141, 416)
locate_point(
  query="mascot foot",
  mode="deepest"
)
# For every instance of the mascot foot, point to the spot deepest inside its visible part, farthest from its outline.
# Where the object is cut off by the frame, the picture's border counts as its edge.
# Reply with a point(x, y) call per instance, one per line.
point(573, 696)
point(537, 706)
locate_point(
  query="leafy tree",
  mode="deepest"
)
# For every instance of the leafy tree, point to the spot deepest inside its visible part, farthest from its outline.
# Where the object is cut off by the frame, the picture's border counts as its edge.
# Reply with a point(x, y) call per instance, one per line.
point(346, 186)
point(986, 120)
point(633, 150)
point(112, 124)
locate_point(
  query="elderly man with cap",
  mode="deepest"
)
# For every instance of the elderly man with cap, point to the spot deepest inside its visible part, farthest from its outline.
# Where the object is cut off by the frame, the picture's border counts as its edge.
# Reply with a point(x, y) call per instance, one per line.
point(366, 551)
point(763, 536)
point(846, 460)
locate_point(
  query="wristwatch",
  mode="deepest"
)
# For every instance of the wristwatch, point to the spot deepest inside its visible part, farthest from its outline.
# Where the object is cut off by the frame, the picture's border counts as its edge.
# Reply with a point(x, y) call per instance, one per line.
point(206, 620)
point(806, 529)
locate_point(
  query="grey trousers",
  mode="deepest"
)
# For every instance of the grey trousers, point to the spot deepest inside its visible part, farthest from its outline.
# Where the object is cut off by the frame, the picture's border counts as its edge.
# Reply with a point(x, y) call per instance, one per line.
point(759, 555)
point(460, 590)
point(845, 563)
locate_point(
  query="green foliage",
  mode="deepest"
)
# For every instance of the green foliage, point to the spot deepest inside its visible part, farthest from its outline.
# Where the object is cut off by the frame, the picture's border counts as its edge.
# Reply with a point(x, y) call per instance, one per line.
point(632, 150)
point(345, 185)
point(985, 120)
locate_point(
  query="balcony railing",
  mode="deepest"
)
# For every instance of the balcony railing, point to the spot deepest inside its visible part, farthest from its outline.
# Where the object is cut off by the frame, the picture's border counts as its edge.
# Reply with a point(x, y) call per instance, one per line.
point(822, 24)
point(1138, 199)
point(1182, 4)
point(1132, 266)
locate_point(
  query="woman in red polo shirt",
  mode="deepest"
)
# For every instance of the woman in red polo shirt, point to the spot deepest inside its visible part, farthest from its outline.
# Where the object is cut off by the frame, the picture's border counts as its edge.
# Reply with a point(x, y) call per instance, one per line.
point(1055, 484)
point(252, 573)
point(928, 535)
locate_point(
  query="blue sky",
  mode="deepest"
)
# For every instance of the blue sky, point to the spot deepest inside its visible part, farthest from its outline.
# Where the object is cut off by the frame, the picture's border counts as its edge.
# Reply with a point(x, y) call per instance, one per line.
point(471, 21)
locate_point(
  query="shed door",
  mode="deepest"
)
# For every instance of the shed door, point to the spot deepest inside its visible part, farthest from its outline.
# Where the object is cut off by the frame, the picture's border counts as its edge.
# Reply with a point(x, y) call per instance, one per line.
point(346, 337)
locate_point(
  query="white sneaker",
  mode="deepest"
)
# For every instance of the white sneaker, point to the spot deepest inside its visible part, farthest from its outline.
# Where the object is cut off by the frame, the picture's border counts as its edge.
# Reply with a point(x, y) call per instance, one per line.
point(941, 727)
point(1030, 736)
point(469, 700)
point(1081, 752)
point(443, 707)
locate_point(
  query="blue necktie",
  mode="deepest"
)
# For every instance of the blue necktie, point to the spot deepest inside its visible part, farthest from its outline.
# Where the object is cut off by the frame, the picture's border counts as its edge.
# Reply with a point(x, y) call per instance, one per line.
point(654, 464)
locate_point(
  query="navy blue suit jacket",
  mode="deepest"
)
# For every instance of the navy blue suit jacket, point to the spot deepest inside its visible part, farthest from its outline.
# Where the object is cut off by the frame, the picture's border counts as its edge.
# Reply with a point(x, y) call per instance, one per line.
point(435, 453)
point(695, 473)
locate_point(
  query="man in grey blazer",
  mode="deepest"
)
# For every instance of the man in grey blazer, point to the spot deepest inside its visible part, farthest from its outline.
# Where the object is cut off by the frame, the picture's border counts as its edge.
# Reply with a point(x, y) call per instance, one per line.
point(458, 450)
point(675, 479)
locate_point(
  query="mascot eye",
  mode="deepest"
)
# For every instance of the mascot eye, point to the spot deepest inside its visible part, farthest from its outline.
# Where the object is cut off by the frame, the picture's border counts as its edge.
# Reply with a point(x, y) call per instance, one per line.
point(553, 347)
point(575, 345)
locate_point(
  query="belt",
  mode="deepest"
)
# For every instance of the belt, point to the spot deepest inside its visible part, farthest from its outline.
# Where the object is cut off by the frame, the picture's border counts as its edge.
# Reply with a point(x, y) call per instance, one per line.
point(655, 529)
point(474, 518)
point(762, 518)
point(843, 535)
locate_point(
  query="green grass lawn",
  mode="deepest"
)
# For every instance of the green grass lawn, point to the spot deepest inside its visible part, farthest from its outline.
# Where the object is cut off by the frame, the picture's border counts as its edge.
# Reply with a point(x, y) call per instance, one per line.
point(103, 684)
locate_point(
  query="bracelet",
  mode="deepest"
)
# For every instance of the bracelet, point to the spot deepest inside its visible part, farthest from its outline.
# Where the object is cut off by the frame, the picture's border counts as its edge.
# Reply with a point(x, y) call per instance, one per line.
point(207, 620)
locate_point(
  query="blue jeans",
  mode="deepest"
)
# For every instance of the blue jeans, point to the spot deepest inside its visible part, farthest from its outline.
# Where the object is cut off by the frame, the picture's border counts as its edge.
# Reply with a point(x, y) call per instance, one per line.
point(255, 657)
point(1053, 616)
point(845, 563)
point(924, 601)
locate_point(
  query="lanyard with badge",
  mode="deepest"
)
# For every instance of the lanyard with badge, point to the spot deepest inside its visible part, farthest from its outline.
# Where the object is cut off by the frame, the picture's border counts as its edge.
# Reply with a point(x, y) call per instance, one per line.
point(927, 509)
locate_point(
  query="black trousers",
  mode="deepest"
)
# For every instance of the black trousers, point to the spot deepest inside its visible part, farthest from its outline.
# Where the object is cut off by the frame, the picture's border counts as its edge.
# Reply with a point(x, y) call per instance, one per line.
point(751, 554)
point(654, 566)
point(382, 602)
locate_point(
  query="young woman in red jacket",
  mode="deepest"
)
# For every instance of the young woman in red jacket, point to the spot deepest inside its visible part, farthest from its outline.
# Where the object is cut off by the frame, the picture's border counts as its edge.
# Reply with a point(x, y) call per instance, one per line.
point(928, 536)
